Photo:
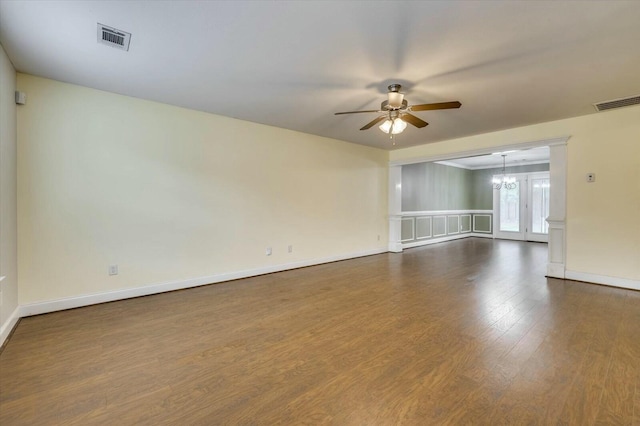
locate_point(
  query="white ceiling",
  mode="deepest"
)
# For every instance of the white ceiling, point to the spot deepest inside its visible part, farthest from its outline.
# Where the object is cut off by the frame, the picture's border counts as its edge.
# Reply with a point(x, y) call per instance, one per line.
point(293, 64)
point(513, 158)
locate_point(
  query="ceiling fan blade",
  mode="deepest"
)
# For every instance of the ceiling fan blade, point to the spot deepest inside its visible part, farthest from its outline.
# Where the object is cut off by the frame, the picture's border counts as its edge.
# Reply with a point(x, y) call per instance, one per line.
point(356, 112)
point(374, 122)
point(441, 105)
point(412, 119)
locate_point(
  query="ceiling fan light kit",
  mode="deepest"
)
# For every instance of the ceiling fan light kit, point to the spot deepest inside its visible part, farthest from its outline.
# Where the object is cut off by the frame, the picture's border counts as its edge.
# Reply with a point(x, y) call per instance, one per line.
point(394, 126)
point(396, 112)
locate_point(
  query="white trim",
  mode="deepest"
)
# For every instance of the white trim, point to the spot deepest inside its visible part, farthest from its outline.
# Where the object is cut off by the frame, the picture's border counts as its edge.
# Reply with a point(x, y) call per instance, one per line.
point(430, 227)
point(110, 296)
point(603, 279)
point(490, 223)
point(443, 239)
point(555, 270)
point(498, 166)
point(462, 231)
point(481, 151)
point(523, 174)
point(445, 226)
point(9, 325)
point(444, 212)
point(395, 207)
point(557, 210)
point(452, 164)
point(457, 226)
point(413, 229)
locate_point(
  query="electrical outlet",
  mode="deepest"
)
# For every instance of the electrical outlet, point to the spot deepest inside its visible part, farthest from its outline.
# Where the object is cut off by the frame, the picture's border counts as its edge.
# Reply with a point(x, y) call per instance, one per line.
point(113, 269)
point(591, 177)
point(268, 251)
point(290, 249)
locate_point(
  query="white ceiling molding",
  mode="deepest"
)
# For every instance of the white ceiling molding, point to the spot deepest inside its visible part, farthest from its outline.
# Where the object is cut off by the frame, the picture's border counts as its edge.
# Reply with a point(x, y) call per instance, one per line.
point(451, 163)
point(482, 151)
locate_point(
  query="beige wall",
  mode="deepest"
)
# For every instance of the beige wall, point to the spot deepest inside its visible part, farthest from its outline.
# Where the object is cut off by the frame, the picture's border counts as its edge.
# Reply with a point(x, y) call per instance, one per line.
point(603, 226)
point(8, 239)
point(172, 194)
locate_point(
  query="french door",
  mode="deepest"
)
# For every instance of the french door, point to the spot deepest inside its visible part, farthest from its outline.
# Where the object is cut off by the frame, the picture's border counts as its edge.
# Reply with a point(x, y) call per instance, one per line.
point(520, 213)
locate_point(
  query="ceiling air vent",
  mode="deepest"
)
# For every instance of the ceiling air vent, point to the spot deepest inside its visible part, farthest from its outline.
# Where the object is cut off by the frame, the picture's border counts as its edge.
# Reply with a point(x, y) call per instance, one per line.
point(113, 37)
point(617, 103)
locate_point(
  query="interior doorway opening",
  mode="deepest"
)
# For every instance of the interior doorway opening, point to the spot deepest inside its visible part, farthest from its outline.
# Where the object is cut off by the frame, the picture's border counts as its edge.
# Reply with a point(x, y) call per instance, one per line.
point(412, 228)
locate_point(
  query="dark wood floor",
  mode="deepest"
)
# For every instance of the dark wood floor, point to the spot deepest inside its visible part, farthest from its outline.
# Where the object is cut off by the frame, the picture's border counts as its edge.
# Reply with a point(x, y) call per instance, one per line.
point(466, 332)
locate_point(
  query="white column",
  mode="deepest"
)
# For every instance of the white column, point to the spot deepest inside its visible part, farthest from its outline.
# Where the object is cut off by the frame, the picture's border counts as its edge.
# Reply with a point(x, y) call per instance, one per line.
point(557, 210)
point(395, 208)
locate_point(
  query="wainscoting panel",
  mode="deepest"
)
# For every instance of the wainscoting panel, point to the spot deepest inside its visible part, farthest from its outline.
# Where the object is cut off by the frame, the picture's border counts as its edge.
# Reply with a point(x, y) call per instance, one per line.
point(426, 227)
point(482, 223)
point(407, 230)
point(465, 223)
point(453, 225)
point(439, 226)
point(423, 227)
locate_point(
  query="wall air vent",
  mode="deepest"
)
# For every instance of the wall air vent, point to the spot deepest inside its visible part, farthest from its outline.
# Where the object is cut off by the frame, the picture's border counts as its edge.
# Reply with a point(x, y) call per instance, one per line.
point(617, 103)
point(113, 37)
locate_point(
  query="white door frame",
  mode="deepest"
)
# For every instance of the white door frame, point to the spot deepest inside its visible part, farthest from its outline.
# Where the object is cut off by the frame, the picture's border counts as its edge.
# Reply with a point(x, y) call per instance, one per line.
point(557, 196)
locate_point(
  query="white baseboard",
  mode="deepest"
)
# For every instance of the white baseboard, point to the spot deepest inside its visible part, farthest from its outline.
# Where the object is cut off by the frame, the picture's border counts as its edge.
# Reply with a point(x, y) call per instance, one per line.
point(602, 279)
point(556, 270)
point(443, 239)
point(92, 299)
point(9, 324)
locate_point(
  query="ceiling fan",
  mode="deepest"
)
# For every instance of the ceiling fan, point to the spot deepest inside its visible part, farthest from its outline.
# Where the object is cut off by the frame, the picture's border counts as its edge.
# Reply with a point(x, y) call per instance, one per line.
point(395, 112)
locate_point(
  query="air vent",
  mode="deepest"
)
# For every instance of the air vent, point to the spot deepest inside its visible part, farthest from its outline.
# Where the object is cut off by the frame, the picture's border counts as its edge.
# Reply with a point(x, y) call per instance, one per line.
point(113, 37)
point(617, 103)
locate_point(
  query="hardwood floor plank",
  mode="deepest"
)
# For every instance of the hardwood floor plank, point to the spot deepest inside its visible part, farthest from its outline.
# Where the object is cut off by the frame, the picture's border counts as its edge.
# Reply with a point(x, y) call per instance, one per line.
point(617, 401)
point(467, 332)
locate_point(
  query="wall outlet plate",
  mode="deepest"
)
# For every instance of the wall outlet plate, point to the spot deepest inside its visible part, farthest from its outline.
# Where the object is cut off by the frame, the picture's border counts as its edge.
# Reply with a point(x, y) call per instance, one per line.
point(113, 269)
point(591, 177)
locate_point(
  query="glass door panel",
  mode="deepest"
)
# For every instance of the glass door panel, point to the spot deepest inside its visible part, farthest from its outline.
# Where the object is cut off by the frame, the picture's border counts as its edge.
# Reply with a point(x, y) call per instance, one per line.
point(538, 228)
point(510, 209)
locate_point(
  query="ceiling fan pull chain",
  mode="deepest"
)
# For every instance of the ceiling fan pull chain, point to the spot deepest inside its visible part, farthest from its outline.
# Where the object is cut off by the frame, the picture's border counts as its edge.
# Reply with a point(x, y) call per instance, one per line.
point(393, 123)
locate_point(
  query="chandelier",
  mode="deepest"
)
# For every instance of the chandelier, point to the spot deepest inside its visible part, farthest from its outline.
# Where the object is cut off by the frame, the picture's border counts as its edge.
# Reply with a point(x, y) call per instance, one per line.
point(508, 182)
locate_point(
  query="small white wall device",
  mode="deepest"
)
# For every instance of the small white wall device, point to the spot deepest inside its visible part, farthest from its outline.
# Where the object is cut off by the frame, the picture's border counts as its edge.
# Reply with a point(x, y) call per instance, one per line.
point(21, 98)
